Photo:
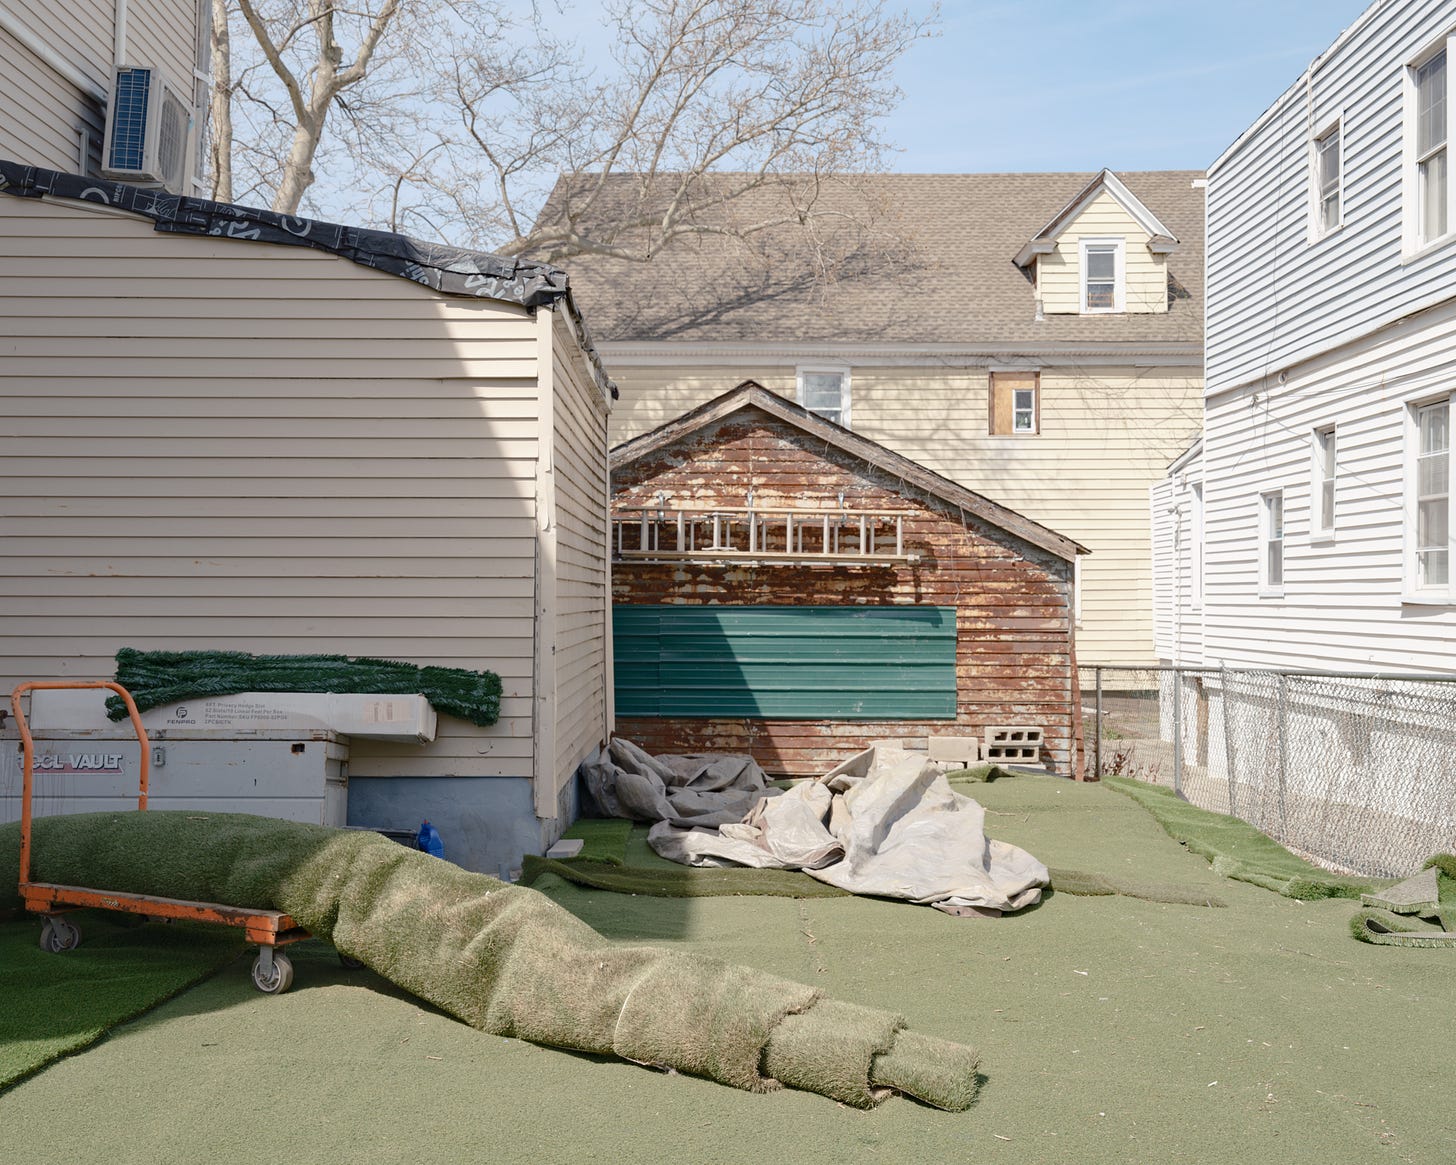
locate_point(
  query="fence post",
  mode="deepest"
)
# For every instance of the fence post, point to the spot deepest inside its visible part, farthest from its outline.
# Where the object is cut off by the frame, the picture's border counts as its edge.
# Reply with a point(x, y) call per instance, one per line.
point(1097, 727)
point(1283, 751)
point(1177, 732)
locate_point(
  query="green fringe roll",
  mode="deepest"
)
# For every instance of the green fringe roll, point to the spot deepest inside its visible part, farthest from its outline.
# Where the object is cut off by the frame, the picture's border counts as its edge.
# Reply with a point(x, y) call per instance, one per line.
point(165, 677)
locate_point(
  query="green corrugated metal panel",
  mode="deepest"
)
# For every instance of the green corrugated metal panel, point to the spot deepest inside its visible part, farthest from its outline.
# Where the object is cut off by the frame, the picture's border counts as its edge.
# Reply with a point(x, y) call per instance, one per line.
point(786, 663)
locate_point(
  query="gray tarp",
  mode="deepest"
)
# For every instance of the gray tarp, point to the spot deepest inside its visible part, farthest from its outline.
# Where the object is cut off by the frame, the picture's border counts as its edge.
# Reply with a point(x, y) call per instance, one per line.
point(687, 791)
point(884, 823)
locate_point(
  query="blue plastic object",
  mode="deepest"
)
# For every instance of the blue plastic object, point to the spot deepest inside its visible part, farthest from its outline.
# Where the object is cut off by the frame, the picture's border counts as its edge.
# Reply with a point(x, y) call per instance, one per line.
point(428, 839)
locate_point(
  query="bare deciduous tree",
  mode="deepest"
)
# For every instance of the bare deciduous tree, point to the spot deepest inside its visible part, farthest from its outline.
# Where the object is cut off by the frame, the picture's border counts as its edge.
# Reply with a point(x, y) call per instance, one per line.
point(449, 118)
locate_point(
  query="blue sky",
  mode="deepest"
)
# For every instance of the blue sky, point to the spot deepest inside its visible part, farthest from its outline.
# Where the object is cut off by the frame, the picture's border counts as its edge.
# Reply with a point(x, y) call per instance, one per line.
point(1076, 85)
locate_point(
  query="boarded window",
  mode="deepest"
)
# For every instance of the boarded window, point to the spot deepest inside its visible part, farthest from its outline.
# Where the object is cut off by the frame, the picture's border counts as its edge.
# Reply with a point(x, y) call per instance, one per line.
point(1015, 403)
point(785, 663)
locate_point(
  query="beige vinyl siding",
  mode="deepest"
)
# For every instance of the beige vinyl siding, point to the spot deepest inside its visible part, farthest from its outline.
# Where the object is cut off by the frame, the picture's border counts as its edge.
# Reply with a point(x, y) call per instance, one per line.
point(41, 111)
point(229, 445)
point(582, 565)
point(1107, 434)
point(1145, 274)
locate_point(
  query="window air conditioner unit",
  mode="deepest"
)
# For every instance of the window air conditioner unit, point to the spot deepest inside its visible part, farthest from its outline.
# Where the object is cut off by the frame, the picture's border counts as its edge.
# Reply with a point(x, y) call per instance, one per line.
point(148, 124)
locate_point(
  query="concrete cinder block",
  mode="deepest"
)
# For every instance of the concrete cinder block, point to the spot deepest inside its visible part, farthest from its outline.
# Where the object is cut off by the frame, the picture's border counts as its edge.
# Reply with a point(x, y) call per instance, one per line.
point(964, 750)
point(1013, 744)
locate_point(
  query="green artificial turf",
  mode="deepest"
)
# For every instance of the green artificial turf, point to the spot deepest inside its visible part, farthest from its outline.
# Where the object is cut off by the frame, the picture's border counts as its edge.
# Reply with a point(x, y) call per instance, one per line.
point(605, 839)
point(682, 881)
point(55, 1004)
point(1113, 1030)
point(1237, 850)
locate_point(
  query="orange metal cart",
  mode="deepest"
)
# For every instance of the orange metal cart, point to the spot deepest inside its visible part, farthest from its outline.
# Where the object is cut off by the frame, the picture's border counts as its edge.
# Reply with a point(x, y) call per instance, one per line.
point(270, 929)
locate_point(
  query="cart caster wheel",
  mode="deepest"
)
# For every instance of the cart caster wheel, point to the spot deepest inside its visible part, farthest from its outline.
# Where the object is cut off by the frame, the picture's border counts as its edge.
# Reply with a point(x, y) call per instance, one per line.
point(350, 961)
point(276, 979)
point(56, 935)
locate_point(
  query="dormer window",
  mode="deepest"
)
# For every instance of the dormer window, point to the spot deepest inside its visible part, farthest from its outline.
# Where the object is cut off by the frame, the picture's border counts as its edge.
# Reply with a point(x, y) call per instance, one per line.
point(1102, 275)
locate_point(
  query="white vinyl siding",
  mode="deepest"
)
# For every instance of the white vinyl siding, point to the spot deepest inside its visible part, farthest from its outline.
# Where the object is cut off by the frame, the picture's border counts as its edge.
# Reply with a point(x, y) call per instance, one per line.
point(1177, 564)
point(1106, 434)
point(1344, 609)
point(233, 446)
point(1355, 281)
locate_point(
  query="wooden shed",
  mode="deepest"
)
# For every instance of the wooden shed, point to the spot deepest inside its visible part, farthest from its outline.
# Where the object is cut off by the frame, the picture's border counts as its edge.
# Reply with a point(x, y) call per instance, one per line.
point(786, 588)
point(227, 429)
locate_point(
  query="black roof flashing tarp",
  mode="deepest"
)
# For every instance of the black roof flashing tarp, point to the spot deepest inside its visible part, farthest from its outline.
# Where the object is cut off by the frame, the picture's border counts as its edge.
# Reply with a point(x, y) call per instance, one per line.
point(449, 270)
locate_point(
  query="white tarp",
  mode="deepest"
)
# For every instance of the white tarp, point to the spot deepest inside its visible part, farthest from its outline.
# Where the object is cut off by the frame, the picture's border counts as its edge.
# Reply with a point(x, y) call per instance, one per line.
point(884, 823)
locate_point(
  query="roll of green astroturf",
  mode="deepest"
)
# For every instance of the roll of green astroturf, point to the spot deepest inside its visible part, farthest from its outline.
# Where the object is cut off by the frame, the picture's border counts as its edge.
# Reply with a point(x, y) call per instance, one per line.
point(505, 959)
point(164, 677)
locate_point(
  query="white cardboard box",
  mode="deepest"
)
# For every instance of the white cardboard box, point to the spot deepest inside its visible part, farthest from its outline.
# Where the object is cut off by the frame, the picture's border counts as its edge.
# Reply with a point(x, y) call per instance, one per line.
point(371, 716)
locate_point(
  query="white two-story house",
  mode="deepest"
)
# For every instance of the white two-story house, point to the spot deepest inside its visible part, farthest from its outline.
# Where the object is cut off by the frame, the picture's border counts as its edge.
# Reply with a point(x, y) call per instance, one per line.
point(1311, 529)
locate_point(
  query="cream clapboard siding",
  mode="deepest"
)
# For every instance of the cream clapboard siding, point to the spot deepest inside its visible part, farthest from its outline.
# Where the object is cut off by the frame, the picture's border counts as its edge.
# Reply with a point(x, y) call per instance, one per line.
point(1106, 435)
point(221, 445)
point(1274, 297)
point(1145, 275)
point(1177, 605)
point(41, 111)
point(582, 564)
point(1341, 606)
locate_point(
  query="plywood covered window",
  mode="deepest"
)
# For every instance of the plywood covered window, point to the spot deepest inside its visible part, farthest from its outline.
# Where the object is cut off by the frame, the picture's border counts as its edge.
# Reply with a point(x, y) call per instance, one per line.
point(1015, 403)
point(785, 663)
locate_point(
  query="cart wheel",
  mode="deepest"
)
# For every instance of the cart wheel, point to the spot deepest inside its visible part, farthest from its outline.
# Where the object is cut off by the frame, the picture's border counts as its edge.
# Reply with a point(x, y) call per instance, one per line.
point(350, 961)
point(278, 978)
point(56, 935)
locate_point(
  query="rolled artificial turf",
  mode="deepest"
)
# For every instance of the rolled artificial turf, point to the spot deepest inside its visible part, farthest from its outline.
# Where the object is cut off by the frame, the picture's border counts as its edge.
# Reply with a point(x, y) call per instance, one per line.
point(502, 958)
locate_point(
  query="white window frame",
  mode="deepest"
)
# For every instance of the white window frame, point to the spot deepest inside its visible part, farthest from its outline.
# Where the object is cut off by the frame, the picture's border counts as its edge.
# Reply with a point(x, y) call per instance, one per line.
point(1269, 586)
point(1324, 445)
point(1415, 245)
point(1195, 496)
point(1414, 591)
point(1317, 193)
point(1119, 275)
point(839, 370)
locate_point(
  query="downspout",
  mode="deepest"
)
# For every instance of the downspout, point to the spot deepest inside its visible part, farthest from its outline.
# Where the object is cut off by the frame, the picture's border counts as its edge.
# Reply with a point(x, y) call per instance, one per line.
point(118, 35)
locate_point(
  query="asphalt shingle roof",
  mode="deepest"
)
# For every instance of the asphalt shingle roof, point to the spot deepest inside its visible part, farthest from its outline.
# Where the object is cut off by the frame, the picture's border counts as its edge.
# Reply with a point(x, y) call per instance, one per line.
point(914, 258)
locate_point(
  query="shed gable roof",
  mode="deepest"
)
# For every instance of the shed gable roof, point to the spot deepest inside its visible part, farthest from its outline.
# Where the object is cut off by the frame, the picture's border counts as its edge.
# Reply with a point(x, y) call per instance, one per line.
point(752, 395)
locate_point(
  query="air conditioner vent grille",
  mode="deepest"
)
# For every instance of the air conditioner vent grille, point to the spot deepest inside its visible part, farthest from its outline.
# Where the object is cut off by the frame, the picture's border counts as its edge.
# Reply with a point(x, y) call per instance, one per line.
point(129, 119)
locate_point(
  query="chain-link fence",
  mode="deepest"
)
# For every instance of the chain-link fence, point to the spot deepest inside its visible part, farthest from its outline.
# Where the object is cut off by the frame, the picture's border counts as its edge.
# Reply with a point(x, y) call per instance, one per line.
point(1356, 772)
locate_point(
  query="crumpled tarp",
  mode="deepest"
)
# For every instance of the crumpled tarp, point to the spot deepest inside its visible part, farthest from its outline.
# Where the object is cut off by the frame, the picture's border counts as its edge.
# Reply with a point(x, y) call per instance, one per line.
point(884, 823)
point(686, 791)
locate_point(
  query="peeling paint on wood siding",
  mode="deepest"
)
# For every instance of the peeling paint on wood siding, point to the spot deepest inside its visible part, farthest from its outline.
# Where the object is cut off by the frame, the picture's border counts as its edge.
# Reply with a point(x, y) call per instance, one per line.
point(1014, 623)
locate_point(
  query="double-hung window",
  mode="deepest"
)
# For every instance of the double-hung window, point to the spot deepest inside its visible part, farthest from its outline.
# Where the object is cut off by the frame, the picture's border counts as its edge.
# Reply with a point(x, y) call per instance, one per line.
point(826, 391)
point(1430, 506)
point(1427, 149)
point(1271, 542)
point(1322, 484)
point(1327, 181)
point(1102, 275)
